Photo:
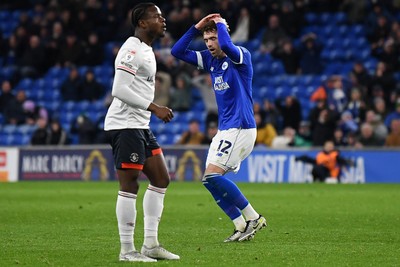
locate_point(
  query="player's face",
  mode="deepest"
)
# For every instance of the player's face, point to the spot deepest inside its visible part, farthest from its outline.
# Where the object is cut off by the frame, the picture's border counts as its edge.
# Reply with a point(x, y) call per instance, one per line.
point(211, 40)
point(155, 21)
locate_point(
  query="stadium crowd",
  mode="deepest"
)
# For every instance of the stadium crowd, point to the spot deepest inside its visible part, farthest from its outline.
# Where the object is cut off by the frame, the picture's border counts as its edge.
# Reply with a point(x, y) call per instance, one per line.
point(360, 108)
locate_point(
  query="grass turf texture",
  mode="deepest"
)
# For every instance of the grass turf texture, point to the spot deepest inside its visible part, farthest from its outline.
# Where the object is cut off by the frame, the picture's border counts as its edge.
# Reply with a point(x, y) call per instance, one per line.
point(74, 224)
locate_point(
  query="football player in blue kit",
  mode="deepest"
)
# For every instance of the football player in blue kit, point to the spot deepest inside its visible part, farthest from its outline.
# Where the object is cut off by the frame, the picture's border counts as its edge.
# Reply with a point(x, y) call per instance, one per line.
point(231, 72)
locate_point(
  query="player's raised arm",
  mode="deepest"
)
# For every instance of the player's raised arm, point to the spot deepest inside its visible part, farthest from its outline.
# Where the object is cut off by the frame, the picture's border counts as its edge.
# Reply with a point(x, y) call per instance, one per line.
point(225, 42)
point(180, 49)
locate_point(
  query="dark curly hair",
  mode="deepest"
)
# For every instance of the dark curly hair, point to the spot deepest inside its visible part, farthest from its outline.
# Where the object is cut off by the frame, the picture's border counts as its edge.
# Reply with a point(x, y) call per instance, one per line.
point(138, 12)
point(209, 27)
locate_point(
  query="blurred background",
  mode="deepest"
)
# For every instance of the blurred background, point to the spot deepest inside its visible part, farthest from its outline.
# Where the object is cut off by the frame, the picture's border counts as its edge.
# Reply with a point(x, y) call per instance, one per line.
point(323, 70)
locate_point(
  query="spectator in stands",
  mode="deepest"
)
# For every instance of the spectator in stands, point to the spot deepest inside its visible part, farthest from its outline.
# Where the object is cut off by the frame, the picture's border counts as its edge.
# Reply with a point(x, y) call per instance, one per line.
point(310, 50)
point(395, 115)
point(33, 60)
point(181, 95)
point(360, 78)
point(383, 78)
point(83, 26)
point(291, 19)
point(285, 140)
point(388, 54)
point(355, 10)
point(56, 135)
point(393, 139)
point(271, 114)
point(245, 29)
point(265, 131)
point(211, 131)
point(13, 51)
point(379, 33)
point(367, 137)
point(41, 134)
point(6, 96)
point(273, 36)
point(162, 88)
point(33, 112)
point(291, 112)
point(14, 112)
point(71, 51)
point(90, 89)
point(347, 123)
point(179, 19)
point(356, 105)
point(303, 136)
point(193, 136)
point(322, 129)
point(85, 128)
point(332, 91)
point(379, 128)
point(338, 138)
point(379, 106)
point(92, 51)
point(289, 57)
point(70, 86)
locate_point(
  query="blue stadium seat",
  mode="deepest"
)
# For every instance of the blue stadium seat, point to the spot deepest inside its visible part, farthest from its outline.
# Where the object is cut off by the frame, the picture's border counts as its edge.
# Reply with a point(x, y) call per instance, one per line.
point(25, 129)
point(9, 128)
point(311, 18)
point(82, 106)
point(4, 15)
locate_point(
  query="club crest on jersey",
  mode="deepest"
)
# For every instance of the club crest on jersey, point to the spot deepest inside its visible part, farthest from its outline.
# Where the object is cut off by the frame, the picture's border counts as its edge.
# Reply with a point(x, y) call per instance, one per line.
point(134, 157)
point(225, 65)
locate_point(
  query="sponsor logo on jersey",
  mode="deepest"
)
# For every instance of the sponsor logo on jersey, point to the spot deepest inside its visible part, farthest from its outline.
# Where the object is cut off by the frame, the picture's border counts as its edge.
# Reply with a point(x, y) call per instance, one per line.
point(219, 84)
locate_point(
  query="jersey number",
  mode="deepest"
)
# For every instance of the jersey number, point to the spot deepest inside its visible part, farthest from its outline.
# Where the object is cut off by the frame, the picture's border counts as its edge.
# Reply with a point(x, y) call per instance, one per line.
point(224, 145)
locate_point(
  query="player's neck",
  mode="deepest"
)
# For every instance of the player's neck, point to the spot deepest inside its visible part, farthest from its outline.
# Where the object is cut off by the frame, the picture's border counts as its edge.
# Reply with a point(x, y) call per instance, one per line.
point(143, 37)
point(221, 55)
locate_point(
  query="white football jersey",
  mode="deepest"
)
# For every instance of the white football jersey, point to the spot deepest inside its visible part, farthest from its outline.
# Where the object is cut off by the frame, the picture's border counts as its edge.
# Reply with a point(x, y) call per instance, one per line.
point(135, 70)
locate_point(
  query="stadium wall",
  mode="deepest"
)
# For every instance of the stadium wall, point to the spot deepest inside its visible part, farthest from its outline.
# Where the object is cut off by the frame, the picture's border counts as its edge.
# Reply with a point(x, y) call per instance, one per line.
point(95, 163)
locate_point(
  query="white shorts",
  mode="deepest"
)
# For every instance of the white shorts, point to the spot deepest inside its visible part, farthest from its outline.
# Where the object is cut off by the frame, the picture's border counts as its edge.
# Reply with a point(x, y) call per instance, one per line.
point(229, 147)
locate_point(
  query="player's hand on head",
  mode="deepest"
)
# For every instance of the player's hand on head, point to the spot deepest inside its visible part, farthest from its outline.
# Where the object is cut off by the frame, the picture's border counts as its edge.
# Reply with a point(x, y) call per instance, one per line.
point(221, 20)
point(206, 19)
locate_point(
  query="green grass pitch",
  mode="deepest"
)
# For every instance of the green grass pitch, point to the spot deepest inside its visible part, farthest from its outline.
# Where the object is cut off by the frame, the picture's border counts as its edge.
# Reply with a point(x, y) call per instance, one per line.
point(74, 224)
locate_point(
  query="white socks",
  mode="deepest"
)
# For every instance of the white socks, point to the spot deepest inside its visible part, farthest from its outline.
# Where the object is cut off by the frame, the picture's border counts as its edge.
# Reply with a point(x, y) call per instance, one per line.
point(153, 204)
point(126, 216)
point(250, 213)
point(240, 223)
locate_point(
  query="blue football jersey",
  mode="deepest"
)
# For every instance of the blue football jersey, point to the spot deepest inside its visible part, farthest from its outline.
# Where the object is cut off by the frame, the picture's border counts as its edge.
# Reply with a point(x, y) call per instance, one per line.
point(231, 76)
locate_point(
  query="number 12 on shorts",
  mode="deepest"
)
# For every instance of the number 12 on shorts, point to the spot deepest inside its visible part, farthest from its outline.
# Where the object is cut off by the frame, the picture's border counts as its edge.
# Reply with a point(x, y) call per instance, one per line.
point(224, 146)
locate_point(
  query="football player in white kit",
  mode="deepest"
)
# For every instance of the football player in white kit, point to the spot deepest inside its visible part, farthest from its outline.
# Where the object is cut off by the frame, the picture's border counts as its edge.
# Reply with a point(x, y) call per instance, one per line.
point(135, 149)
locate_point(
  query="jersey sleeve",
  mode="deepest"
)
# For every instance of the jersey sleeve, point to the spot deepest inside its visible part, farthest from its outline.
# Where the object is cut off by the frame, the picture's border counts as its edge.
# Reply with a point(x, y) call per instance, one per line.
point(129, 61)
point(225, 42)
point(126, 67)
point(181, 49)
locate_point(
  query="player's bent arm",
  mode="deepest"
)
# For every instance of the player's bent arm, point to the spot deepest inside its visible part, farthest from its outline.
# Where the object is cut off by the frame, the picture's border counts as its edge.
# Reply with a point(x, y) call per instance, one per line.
point(123, 92)
point(180, 49)
point(225, 42)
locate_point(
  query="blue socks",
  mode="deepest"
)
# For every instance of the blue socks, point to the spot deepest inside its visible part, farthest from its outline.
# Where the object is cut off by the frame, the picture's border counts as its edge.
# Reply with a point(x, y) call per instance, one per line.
point(226, 194)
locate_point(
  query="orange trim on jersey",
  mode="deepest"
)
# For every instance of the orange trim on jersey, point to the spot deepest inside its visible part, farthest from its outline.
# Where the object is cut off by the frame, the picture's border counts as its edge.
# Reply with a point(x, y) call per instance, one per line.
point(156, 151)
point(132, 166)
point(127, 69)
